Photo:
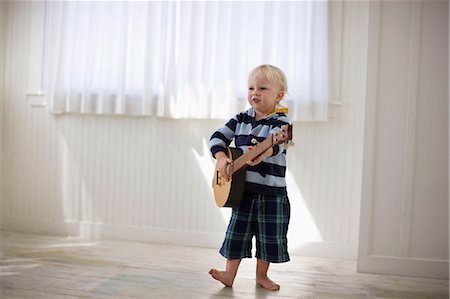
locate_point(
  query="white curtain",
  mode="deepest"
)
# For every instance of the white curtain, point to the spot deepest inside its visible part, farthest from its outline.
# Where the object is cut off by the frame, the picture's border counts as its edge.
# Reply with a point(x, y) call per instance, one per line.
point(182, 59)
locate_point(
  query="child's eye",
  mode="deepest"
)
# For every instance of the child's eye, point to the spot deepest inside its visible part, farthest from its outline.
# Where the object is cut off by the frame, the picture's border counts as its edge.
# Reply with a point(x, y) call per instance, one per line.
point(251, 88)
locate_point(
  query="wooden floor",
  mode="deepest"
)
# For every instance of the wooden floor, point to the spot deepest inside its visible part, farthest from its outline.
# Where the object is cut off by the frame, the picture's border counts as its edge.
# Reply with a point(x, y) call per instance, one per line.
point(54, 267)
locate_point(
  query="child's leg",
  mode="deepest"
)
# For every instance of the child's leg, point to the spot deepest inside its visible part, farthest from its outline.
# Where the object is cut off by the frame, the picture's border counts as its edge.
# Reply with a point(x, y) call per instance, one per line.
point(226, 277)
point(271, 236)
point(261, 276)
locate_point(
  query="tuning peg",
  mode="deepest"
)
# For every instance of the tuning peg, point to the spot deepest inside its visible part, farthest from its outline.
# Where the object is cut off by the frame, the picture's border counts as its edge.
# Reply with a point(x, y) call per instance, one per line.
point(287, 144)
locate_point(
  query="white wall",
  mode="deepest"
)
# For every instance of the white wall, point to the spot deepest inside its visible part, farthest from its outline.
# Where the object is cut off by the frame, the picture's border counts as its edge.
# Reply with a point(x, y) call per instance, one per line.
point(3, 7)
point(149, 179)
point(405, 208)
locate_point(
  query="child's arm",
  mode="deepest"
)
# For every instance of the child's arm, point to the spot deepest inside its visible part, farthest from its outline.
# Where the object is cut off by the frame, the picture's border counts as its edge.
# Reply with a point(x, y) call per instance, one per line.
point(222, 163)
point(257, 160)
point(218, 144)
point(280, 132)
point(221, 139)
point(276, 149)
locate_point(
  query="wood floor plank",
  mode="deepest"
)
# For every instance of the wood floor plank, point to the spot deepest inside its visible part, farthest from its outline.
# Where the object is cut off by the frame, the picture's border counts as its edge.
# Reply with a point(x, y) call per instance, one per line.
point(33, 266)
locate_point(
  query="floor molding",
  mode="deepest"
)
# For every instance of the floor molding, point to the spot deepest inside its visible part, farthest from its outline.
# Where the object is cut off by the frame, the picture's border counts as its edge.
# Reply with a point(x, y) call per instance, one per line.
point(160, 236)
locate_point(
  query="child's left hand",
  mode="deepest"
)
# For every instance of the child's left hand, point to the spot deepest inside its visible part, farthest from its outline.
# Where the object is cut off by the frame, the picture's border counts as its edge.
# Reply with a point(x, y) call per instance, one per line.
point(261, 157)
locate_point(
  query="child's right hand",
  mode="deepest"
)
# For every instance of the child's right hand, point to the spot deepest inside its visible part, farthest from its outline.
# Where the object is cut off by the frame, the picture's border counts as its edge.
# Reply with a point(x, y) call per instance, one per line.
point(222, 164)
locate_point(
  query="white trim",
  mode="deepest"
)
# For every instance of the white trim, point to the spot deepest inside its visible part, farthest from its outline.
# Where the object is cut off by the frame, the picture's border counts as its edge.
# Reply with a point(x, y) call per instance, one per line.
point(327, 250)
point(369, 148)
point(36, 49)
point(3, 20)
point(410, 136)
point(430, 268)
point(448, 124)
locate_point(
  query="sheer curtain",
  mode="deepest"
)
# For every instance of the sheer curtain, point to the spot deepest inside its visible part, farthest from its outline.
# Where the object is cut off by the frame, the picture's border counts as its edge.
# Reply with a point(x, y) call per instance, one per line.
point(182, 59)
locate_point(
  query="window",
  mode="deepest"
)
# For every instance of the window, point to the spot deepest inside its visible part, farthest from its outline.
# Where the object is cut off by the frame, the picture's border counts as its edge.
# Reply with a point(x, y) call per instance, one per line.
point(182, 59)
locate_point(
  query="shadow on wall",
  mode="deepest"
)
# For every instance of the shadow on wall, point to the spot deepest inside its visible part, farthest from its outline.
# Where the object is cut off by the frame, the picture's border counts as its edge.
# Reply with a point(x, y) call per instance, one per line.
point(144, 179)
point(140, 173)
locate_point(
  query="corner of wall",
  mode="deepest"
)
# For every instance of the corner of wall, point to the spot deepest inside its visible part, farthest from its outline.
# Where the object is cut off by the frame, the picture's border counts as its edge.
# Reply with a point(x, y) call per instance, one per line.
point(3, 10)
point(414, 243)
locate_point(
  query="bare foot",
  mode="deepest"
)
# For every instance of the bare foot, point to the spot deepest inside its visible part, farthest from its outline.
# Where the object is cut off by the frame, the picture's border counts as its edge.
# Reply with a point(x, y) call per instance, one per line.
point(222, 276)
point(267, 283)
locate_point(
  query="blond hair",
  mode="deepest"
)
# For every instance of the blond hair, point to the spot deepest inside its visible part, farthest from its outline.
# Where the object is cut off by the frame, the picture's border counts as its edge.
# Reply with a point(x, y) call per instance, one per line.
point(274, 74)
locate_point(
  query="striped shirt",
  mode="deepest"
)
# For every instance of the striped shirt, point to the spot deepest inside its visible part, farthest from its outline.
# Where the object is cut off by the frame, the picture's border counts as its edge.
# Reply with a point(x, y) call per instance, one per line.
point(268, 177)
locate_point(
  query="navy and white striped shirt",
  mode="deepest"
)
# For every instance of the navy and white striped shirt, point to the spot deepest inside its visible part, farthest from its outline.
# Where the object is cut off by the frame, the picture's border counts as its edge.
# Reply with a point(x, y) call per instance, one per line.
point(268, 177)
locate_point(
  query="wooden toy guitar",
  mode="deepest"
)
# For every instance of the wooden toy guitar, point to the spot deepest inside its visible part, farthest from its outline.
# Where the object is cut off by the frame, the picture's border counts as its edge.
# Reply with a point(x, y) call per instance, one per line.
point(229, 193)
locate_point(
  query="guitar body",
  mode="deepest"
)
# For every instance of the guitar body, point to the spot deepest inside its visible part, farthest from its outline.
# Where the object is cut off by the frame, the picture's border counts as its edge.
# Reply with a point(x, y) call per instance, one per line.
point(229, 194)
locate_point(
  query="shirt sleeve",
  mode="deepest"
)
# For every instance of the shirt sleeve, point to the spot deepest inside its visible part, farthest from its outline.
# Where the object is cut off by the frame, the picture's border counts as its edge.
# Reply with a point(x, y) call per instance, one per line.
point(222, 138)
point(278, 149)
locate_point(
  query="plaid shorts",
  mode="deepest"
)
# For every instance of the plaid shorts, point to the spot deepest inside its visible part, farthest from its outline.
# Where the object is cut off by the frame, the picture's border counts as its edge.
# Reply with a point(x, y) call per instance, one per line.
point(263, 216)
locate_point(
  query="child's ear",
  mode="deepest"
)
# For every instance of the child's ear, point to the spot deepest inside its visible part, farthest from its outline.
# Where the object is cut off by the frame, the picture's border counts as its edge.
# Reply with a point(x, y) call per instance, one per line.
point(281, 94)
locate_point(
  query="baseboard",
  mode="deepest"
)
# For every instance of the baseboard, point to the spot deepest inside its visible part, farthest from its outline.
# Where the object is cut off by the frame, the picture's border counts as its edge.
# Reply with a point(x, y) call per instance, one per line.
point(415, 267)
point(40, 226)
point(326, 249)
point(160, 236)
point(113, 232)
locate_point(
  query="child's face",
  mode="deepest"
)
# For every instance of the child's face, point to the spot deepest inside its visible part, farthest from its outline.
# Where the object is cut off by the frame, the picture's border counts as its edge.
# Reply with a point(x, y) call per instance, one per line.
point(263, 95)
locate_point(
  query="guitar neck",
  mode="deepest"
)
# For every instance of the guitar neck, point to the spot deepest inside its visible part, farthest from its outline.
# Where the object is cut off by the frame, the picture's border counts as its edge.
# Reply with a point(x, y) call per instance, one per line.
point(250, 155)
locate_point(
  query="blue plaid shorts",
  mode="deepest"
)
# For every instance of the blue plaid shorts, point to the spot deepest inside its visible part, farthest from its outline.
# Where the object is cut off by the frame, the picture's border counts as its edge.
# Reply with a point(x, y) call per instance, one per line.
point(267, 218)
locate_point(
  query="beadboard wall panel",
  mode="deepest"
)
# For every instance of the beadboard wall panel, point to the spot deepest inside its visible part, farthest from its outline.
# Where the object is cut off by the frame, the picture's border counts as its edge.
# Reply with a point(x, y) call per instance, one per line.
point(149, 179)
